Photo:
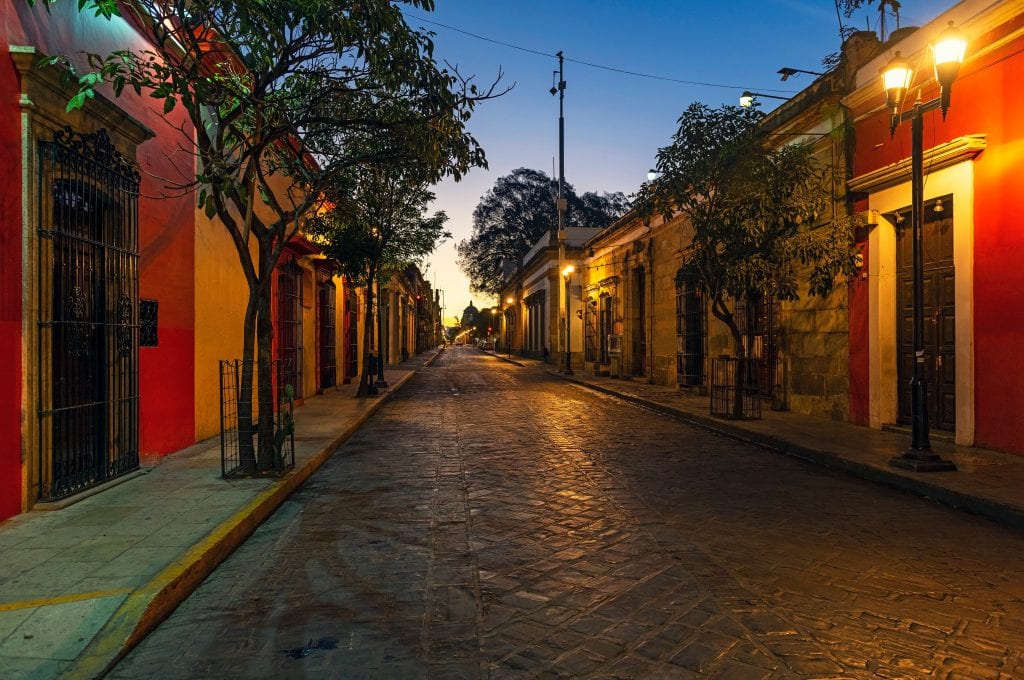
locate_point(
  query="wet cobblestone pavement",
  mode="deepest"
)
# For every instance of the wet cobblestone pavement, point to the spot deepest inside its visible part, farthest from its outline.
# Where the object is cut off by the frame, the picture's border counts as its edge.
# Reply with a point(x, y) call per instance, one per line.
point(496, 522)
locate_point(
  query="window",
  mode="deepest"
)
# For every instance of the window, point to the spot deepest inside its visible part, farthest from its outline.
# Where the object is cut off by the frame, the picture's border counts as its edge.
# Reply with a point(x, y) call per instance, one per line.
point(758, 321)
point(691, 317)
point(289, 325)
point(88, 302)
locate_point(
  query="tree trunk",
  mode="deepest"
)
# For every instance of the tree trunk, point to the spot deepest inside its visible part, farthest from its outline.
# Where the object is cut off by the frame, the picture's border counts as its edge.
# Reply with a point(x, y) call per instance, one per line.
point(265, 380)
point(722, 313)
point(364, 373)
point(246, 452)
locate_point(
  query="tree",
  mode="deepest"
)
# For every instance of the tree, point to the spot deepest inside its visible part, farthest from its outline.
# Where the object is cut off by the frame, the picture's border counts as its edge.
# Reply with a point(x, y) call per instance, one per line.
point(379, 227)
point(758, 213)
point(513, 215)
point(275, 92)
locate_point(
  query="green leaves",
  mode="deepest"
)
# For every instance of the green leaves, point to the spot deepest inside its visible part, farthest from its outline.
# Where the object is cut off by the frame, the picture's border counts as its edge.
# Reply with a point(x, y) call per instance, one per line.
point(517, 211)
point(755, 209)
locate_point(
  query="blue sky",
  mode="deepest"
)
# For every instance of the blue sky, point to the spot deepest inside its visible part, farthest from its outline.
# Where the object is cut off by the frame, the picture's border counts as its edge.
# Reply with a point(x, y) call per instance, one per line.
point(615, 122)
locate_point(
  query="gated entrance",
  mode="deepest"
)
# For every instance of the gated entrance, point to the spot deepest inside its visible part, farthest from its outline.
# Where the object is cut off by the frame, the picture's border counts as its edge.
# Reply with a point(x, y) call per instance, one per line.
point(939, 312)
point(289, 325)
point(758, 320)
point(640, 322)
point(88, 313)
point(326, 301)
point(691, 334)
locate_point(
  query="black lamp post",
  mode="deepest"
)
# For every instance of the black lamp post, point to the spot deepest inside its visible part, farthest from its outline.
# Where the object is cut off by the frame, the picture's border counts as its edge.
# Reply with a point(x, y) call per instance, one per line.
point(566, 273)
point(896, 78)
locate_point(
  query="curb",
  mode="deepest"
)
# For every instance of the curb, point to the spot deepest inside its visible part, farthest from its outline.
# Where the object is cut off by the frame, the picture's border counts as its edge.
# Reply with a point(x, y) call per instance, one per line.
point(147, 606)
point(1002, 513)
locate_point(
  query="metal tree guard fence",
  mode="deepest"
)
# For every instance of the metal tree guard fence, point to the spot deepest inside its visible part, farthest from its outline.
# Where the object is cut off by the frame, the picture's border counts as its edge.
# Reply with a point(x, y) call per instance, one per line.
point(727, 393)
point(231, 402)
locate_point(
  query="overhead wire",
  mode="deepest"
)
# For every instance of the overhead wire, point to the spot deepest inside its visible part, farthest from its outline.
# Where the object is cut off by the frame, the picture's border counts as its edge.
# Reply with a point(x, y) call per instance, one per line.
point(581, 62)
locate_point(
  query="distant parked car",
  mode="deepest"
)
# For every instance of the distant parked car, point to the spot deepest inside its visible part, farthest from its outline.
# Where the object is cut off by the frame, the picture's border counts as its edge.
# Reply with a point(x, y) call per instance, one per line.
point(485, 345)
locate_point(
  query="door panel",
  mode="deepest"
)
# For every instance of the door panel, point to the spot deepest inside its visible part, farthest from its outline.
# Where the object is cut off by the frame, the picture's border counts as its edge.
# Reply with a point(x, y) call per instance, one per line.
point(939, 314)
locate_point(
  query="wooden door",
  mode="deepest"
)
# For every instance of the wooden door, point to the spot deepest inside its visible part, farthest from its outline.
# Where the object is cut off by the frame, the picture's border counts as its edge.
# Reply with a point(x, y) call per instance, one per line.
point(939, 313)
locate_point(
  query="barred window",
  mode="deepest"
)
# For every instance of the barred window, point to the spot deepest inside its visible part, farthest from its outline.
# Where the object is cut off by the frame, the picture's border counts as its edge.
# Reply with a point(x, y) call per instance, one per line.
point(691, 334)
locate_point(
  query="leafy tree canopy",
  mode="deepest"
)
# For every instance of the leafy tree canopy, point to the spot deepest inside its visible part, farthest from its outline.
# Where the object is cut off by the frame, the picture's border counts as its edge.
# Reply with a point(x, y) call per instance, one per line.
point(280, 98)
point(516, 212)
point(759, 212)
point(377, 225)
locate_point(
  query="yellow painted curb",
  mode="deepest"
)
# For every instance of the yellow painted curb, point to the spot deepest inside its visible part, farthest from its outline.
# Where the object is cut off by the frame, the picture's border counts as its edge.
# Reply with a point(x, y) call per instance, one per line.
point(62, 599)
point(153, 602)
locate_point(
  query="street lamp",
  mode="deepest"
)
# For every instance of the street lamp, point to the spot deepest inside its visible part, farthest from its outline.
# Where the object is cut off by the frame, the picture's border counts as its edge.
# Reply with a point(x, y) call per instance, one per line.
point(509, 315)
point(786, 72)
point(566, 273)
point(747, 98)
point(896, 78)
point(491, 336)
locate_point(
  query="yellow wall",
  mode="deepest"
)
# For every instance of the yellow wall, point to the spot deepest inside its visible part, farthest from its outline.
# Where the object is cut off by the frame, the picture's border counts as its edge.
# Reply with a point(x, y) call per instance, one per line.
point(221, 294)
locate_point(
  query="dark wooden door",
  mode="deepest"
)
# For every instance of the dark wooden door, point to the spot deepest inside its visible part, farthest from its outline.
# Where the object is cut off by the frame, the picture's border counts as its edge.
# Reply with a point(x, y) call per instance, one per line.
point(640, 324)
point(939, 313)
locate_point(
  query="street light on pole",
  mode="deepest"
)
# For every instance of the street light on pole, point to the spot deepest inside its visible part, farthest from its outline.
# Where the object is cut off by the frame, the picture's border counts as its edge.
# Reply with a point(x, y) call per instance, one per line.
point(748, 97)
point(561, 203)
point(509, 315)
point(492, 335)
point(896, 79)
point(566, 274)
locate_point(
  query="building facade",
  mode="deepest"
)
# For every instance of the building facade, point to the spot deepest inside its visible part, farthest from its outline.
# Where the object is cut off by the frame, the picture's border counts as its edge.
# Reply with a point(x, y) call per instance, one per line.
point(118, 298)
point(97, 300)
point(971, 241)
point(537, 299)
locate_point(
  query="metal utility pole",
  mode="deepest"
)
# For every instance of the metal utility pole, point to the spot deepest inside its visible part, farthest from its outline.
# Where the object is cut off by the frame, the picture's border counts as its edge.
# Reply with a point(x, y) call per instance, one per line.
point(561, 203)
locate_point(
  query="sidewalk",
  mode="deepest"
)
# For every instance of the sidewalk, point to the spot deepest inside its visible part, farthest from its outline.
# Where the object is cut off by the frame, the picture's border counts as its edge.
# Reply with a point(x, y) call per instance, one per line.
point(82, 585)
point(986, 483)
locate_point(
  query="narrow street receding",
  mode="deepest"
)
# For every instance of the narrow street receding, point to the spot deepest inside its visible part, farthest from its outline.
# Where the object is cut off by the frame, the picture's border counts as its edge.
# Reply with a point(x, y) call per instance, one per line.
point(495, 521)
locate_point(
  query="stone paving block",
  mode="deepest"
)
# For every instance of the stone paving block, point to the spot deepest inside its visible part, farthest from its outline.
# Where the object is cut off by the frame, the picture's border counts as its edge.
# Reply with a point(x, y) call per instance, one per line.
point(657, 649)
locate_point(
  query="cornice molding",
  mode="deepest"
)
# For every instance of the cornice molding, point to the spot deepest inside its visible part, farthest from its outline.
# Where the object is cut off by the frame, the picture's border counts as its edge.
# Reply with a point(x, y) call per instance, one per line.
point(936, 158)
point(44, 93)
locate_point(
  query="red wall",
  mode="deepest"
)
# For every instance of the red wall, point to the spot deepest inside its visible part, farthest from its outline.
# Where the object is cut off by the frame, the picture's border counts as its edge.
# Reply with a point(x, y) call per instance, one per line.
point(10, 293)
point(993, 97)
point(167, 275)
point(857, 293)
point(986, 98)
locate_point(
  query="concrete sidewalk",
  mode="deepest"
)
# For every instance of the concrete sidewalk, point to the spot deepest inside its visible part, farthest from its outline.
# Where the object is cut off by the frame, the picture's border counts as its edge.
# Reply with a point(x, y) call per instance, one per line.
point(81, 586)
point(986, 483)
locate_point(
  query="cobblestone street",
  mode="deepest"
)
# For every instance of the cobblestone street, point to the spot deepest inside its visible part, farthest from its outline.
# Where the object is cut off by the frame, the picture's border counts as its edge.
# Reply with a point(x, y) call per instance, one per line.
point(492, 521)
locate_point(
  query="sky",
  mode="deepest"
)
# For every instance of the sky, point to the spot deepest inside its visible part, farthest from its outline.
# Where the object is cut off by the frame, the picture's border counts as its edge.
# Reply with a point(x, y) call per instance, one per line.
point(614, 122)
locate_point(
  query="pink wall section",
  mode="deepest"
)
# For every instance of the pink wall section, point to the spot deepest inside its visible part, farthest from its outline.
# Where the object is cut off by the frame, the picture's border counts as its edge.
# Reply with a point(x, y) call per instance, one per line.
point(10, 295)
